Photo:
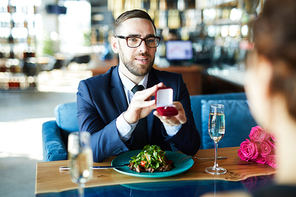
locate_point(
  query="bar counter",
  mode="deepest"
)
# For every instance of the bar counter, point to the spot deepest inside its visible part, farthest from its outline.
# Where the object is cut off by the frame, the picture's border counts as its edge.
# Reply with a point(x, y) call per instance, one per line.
point(192, 75)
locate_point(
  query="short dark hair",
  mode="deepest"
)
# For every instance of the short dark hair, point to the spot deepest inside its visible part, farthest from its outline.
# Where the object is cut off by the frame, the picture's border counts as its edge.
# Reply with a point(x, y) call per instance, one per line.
point(275, 38)
point(131, 14)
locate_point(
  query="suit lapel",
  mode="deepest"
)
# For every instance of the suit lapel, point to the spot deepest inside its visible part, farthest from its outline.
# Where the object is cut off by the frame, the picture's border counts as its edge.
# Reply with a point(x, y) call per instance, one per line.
point(119, 97)
point(117, 92)
point(152, 80)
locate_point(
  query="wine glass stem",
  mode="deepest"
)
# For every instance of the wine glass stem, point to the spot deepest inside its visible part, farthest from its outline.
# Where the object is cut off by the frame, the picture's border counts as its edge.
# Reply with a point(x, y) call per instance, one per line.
point(80, 190)
point(216, 151)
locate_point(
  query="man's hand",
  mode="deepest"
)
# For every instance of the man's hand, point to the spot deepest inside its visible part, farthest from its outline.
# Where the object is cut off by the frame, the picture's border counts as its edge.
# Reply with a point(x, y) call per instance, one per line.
point(180, 118)
point(141, 105)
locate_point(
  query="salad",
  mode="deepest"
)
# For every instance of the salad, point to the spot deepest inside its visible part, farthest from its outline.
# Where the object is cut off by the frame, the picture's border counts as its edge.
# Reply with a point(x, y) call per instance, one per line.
point(151, 159)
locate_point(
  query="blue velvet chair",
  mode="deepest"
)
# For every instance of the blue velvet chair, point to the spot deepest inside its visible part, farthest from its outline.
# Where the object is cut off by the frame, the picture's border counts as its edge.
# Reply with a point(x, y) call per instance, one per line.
point(55, 132)
point(238, 119)
point(238, 124)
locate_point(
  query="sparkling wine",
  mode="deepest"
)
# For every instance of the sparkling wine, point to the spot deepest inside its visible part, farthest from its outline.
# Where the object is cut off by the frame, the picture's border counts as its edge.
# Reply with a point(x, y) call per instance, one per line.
point(81, 166)
point(216, 130)
point(216, 126)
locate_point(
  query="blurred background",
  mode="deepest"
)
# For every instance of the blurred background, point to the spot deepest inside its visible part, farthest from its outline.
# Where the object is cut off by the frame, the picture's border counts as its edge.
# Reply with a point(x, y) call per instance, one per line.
point(39, 36)
point(48, 46)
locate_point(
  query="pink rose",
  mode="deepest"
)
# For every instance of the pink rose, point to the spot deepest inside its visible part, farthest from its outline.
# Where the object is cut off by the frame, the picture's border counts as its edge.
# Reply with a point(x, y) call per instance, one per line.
point(260, 148)
point(272, 144)
point(271, 160)
point(248, 151)
point(261, 160)
point(258, 134)
point(268, 136)
point(273, 138)
point(265, 148)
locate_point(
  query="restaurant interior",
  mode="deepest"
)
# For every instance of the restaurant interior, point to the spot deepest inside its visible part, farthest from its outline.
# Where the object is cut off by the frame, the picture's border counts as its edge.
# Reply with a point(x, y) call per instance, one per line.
point(48, 46)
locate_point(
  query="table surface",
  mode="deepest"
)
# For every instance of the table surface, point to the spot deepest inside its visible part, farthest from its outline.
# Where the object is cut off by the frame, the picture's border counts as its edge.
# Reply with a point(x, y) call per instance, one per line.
point(50, 181)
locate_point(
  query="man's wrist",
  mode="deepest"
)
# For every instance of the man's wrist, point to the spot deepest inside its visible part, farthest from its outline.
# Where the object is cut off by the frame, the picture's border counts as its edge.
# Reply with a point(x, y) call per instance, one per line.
point(124, 128)
point(127, 119)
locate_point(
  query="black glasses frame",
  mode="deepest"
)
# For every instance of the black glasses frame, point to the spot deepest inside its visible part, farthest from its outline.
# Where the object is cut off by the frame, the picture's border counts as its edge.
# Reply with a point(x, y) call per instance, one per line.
point(142, 39)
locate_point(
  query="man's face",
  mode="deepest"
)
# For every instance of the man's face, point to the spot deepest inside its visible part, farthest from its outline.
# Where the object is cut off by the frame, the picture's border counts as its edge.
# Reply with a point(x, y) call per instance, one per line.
point(138, 61)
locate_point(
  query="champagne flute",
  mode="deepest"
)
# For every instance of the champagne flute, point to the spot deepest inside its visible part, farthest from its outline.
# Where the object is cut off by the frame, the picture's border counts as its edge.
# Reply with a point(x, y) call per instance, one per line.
point(216, 129)
point(80, 159)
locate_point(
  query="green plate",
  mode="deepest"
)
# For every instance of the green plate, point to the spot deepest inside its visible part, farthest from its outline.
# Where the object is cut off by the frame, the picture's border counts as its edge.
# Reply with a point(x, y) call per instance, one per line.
point(174, 156)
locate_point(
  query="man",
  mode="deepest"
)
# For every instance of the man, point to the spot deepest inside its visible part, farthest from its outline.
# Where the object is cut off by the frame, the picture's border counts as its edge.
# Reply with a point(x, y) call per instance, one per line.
point(120, 120)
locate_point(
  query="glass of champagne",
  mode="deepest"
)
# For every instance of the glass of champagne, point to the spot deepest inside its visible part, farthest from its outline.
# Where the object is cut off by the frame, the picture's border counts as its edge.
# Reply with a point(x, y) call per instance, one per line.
point(80, 159)
point(216, 128)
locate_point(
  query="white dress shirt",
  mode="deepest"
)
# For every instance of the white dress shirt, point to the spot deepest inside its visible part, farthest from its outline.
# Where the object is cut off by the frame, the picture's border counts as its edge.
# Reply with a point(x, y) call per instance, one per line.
point(124, 128)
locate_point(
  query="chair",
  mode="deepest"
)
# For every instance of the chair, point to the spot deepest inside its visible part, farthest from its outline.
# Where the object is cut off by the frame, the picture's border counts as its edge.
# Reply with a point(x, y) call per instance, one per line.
point(55, 133)
point(238, 119)
point(239, 122)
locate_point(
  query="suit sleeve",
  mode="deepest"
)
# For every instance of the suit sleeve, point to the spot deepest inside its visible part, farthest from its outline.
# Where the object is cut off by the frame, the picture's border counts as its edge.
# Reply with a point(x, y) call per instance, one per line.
point(105, 140)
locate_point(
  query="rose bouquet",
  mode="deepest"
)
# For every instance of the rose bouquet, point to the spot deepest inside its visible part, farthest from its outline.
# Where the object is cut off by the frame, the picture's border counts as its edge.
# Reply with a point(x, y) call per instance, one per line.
point(259, 148)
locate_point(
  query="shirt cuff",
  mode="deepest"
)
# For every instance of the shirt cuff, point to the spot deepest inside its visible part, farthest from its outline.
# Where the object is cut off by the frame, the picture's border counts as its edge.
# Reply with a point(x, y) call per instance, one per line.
point(125, 129)
point(172, 130)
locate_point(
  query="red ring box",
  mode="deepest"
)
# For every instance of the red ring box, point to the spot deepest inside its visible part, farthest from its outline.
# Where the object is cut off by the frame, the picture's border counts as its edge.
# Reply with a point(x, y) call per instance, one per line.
point(164, 102)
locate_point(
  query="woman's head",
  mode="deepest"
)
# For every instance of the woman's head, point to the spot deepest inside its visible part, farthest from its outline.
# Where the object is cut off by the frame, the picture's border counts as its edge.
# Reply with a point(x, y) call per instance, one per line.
point(275, 46)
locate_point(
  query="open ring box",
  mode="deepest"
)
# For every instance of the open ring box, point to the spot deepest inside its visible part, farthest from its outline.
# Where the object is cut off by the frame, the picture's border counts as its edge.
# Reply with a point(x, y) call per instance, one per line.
point(164, 102)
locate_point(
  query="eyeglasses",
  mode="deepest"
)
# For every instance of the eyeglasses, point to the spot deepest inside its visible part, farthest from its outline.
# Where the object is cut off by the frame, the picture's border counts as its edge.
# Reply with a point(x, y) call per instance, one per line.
point(134, 42)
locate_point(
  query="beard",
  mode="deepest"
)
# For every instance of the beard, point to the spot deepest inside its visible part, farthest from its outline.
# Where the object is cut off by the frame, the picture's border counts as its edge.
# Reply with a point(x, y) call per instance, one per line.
point(137, 69)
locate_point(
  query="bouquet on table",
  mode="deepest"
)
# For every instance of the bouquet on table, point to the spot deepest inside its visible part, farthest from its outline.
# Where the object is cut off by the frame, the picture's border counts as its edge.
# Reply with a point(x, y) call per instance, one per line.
point(259, 148)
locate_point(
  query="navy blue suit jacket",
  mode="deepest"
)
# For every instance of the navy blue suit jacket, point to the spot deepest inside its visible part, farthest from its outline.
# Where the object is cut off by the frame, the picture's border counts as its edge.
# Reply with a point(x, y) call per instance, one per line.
point(101, 99)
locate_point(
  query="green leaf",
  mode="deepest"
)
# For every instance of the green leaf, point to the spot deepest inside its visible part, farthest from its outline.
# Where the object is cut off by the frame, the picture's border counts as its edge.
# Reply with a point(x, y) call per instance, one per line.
point(152, 155)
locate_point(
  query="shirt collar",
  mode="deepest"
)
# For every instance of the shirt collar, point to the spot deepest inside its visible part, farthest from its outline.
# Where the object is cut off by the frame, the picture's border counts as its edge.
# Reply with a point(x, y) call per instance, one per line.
point(128, 84)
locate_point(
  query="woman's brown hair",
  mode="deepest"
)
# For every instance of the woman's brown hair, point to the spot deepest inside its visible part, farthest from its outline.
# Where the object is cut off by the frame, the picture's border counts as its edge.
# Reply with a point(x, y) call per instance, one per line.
point(275, 38)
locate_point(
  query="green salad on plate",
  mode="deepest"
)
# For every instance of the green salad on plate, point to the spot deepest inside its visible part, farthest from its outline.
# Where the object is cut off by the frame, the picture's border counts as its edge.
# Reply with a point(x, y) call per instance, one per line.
point(151, 159)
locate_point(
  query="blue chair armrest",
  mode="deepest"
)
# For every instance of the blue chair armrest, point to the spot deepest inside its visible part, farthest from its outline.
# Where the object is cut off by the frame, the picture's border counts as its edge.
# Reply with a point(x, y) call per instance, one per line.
point(54, 148)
